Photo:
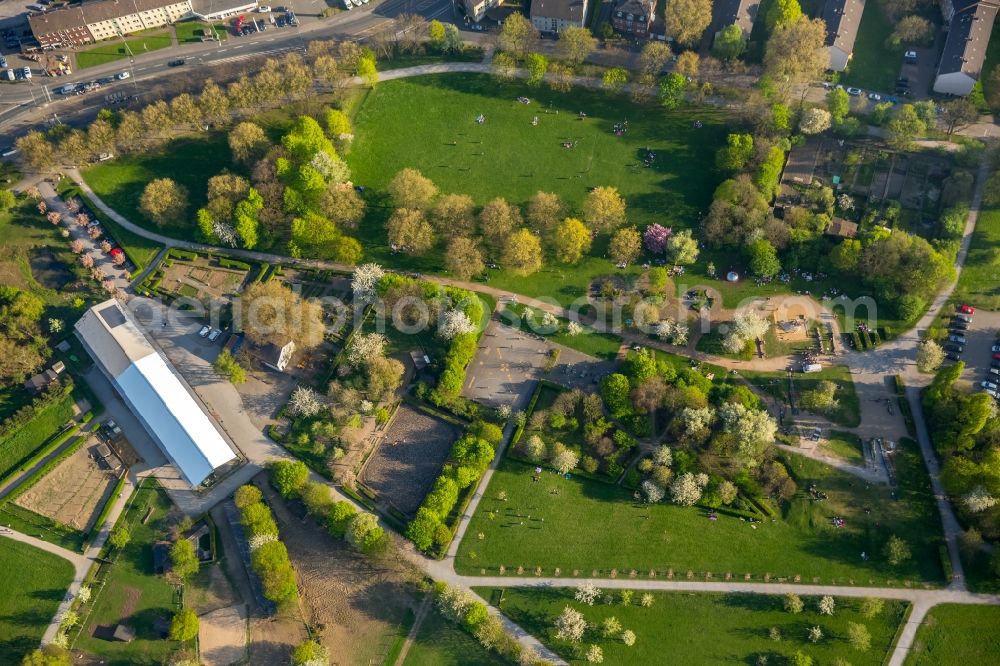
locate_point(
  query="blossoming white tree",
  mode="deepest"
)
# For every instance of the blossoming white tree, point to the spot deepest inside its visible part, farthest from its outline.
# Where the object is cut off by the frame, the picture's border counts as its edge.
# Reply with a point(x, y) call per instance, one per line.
point(455, 323)
point(587, 593)
point(365, 281)
point(305, 402)
point(570, 625)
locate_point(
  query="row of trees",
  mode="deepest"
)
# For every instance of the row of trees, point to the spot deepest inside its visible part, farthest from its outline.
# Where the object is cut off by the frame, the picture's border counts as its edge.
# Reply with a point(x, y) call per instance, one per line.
point(268, 555)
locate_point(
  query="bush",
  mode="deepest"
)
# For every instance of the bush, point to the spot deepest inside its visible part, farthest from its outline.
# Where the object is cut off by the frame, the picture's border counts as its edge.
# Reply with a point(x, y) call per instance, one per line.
point(232, 263)
point(183, 255)
point(339, 517)
point(184, 625)
point(257, 520)
point(288, 477)
point(247, 495)
point(277, 577)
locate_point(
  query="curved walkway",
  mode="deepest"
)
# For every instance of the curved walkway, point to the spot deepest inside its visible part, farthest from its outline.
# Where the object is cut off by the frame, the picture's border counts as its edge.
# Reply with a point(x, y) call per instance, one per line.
point(892, 358)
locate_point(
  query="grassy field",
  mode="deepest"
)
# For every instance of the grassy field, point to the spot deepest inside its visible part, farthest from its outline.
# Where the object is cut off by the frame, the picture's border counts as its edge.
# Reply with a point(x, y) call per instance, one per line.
point(442, 643)
point(848, 412)
point(957, 634)
point(191, 31)
point(589, 341)
point(846, 446)
point(707, 628)
point(874, 65)
point(32, 590)
point(132, 594)
point(114, 49)
point(611, 531)
point(23, 442)
point(978, 280)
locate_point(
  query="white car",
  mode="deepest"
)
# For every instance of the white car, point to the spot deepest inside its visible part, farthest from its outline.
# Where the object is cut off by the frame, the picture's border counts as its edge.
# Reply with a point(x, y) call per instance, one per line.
point(204, 331)
point(996, 348)
point(989, 385)
point(874, 96)
point(995, 394)
point(264, 9)
point(121, 76)
point(214, 335)
point(854, 92)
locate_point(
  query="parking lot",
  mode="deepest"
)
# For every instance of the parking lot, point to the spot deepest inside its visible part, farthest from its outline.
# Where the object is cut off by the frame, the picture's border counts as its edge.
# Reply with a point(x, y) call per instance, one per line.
point(978, 354)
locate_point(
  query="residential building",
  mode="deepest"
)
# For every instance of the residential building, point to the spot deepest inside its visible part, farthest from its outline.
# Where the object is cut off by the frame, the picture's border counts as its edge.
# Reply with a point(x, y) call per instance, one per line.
point(964, 50)
point(554, 16)
point(159, 398)
point(275, 356)
point(633, 17)
point(842, 228)
point(104, 19)
point(476, 9)
point(727, 12)
point(38, 383)
point(842, 17)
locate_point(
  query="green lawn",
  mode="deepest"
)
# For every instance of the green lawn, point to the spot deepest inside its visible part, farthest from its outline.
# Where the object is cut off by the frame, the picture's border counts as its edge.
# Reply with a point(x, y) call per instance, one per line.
point(848, 412)
point(708, 629)
point(874, 66)
point(442, 643)
point(589, 341)
point(21, 444)
point(957, 634)
point(846, 446)
point(114, 49)
point(191, 31)
point(610, 531)
point(35, 583)
point(132, 594)
point(978, 280)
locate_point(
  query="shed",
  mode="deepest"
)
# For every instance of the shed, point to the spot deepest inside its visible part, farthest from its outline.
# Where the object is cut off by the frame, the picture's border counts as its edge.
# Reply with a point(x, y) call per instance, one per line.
point(123, 633)
point(843, 228)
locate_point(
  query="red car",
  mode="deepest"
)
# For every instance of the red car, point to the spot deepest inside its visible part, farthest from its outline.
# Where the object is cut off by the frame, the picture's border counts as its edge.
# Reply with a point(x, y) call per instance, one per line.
point(996, 357)
point(967, 309)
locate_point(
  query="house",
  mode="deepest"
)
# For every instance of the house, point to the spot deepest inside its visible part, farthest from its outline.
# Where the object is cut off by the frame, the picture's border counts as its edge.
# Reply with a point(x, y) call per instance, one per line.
point(964, 50)
point(38, 383)
point(842, 17)
point(275, 356)
point(476, 9)
point(633, 17)
point(554, 16)
point(159, 398)
point(727, 12)
point(215, 10)
point(843, 228)
point(104, 19)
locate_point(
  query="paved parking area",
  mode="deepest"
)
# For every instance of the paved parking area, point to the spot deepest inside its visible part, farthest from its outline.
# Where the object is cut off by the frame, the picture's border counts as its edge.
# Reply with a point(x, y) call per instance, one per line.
point(509, 361)
point(980, 338)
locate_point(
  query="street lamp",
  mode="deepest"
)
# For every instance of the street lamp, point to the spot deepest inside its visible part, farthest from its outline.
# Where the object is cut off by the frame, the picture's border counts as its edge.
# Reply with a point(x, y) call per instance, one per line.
point(131, 56)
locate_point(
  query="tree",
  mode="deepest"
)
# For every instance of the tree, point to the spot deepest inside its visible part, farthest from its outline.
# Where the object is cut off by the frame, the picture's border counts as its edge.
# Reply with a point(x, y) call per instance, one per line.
point(342, 205)
point(687, 20)
point(247, 142)
point(504, 66)
point(247, 495)
point(227, 366)
point(537, 65)
point(872, 606)
point(827, 605)
point(815, 634)
point(595, 655)
point(560, 76)
point(859, 637)
point(571, 240)
point(801, 659)
point(615, 390)
point(783, 13)
point(367, 69)
point(497, 220)
point(565, 461)
point(384, 376)
point(587, 593)
point(120, 536)
point(685, 490)
point(35, 150)
point(905, 127)
point(736, 153)
point(288, 477)
point(687, 64)
point(435, 33)
point(522, 253)
point(183, 559)
point(164, 201)
point(896, 551)
point(729, 43)
point(614, 79)
point(544, 212)
point(7, 200)
point(604, 209)
point(517, 35)
point(672, 89)
point(270, 312)
point(312, 653)
point(820, 399)
point(626, 244)
point(411, 189)
point(655, 238)
point(365, 534)
point(911, 29)
point(463, 258)
point(797, 52)
point(364, 347)
point(410, 232)
point(651, 491)
point(793, 603)
point(184, 625)
point(654, 56)
point(930, 356)
point(753, 431)
point(575, 44)
point(763, 259)
point(628, 637)
point(682, 248)
point(978, 500)
point(454, 215)
point(570, 625)
point(958, 113)
point(50, 655)
point(815, 120)
point(364, 282)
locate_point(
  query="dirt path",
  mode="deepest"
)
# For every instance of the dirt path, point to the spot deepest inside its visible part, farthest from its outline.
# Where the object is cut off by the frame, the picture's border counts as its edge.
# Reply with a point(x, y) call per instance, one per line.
point(425, 606)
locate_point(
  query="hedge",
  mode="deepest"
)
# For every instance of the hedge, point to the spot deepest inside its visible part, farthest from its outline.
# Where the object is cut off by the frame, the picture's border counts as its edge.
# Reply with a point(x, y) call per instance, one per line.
point(53, 444)
point(95, 529)
point(898, 383)
point(232, 263)
point(269, 560)
point(183, 255)
point(856, 339)
point(45, 469)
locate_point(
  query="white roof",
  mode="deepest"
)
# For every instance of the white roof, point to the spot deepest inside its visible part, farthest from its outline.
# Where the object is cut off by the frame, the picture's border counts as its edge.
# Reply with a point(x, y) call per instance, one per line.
point(154, 391)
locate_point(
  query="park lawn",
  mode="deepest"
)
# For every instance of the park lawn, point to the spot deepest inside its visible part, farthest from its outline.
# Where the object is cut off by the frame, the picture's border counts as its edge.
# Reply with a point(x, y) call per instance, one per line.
point(874, 65)
point(711, 343)
point(132, 593)
point(846, 446)
point(114, 49)
point(443, 643)
point(588, 341)
point(957, 634)
point(977, 282)
point(612, 531)
point(848, 412)
point(190, 161)
point(35, 583)
point(191, 31)
point(705, 628)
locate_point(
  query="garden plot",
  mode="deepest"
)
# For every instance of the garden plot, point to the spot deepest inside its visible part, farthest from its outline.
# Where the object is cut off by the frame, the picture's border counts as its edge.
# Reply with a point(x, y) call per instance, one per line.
point(202, 281)
point(74, 492)
point(409, 458)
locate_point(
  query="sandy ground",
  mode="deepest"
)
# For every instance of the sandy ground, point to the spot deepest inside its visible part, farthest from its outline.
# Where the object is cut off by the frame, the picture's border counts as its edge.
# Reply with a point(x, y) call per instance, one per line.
point(222, 636)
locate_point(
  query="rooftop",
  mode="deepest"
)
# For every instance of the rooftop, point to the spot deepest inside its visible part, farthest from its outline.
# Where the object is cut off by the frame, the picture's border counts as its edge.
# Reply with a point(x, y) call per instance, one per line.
point(969, 35)
point(565, 10)
point(842, 19)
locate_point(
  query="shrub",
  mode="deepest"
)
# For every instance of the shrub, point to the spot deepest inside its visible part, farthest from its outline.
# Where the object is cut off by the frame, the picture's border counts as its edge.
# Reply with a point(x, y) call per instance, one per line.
point(247, 495)
point(184, 625)
point(288, 477)
point(339, 517)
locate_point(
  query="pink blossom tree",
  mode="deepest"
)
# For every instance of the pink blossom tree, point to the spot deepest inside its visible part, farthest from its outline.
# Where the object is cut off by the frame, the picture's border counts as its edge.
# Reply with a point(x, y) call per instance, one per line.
point(119, 260)
point(106, 246)
point(94, 233)
point(76, 246)
point(55, 217)
point(109, 286)
point(82, 219)
point(42, 207)
point(655, 238)
point(87, 261)
point(98, 274)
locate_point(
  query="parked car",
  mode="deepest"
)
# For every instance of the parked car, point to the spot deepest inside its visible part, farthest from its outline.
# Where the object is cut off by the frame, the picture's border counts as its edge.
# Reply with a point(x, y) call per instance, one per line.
point(960, 339)
point(993, 372)
point(989, 385)
point(815, 435)
point(967, 309)
point(958, 349)
point(996, 357)
point(994, 393)
point(214, 335)
point(995, 348)
point(854, 92)
point(960, 325)
point(874, 96)
point(205, 330)
point(964, 317)
point(910, 57)
point(264, 9)
point(952, 356)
